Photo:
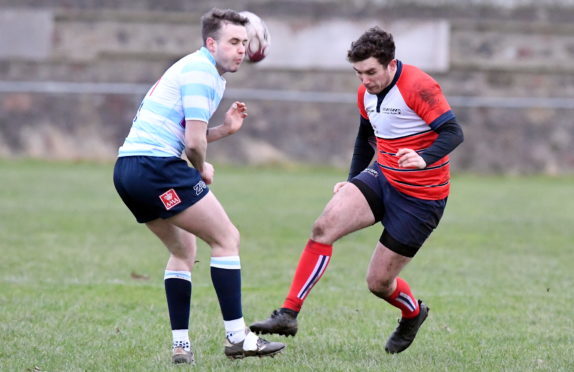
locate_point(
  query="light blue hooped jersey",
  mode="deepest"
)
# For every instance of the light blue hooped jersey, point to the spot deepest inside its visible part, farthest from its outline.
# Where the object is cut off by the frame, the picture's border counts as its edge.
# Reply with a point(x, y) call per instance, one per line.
point(191, 89)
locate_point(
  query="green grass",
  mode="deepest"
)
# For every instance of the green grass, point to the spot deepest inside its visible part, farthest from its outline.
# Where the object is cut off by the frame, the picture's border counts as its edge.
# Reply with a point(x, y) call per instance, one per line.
point(497, 273)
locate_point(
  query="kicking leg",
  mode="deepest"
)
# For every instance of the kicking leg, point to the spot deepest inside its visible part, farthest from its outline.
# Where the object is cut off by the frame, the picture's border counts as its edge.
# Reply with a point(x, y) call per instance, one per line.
point(346, 212)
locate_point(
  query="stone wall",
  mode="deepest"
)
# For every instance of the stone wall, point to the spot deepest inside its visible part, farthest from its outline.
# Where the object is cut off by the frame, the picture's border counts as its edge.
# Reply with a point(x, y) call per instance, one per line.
point(72, 74)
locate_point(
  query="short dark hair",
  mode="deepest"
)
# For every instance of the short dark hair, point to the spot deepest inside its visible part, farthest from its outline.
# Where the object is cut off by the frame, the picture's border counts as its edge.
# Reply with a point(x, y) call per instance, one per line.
point(212, 21)
point(373, 43)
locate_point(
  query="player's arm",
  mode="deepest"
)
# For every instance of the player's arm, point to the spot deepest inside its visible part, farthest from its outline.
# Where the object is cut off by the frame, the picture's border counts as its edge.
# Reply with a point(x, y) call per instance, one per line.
point(232, 122)
point(428, 101)
point(196, 148)
point(364, 148)
point(449, 137)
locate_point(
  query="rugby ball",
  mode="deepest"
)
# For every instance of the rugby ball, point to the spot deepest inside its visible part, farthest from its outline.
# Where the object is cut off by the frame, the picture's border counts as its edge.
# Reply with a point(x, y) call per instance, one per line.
point(259, 37)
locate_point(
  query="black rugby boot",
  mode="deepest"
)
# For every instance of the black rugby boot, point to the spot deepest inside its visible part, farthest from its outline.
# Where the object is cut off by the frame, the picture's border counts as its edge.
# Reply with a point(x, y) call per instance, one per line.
point(405, 333)
point(281, 322)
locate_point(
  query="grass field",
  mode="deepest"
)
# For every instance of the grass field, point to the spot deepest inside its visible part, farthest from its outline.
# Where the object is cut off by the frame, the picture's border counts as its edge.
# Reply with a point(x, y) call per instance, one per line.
point(81, 284)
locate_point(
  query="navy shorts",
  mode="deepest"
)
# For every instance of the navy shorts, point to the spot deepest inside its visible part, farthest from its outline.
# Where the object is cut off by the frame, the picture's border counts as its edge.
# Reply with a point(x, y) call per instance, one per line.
point(157, 187)
point(408, 221)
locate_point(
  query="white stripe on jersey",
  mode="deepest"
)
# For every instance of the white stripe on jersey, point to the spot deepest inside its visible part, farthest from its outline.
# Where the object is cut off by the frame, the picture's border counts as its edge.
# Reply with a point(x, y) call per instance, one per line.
point(395, 119)
point(196, 102)
point(190, 89)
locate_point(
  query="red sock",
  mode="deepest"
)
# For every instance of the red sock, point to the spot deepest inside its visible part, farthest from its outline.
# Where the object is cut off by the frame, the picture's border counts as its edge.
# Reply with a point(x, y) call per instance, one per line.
point(403, 298)
point(312, 265)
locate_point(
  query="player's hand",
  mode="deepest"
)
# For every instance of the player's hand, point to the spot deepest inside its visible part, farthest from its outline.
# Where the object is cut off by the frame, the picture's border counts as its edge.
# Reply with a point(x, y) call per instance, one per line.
point(409, 158)
point(207, 173)
point(338, 186)
point(234, 117)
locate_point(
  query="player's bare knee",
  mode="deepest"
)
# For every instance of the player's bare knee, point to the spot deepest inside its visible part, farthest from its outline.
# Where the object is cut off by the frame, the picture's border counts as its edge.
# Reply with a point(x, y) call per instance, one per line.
point(227, 244)
point(320, 231)
point(380, 287)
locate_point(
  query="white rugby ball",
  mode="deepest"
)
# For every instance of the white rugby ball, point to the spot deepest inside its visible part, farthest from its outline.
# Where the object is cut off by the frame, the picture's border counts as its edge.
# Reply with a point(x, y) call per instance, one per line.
point(259, 37)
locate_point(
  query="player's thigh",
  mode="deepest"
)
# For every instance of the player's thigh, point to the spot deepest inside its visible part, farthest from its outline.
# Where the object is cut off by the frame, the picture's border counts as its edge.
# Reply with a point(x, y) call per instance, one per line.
point(180, 243)
point(385, 265)
point(208, 220)
point(347, 211)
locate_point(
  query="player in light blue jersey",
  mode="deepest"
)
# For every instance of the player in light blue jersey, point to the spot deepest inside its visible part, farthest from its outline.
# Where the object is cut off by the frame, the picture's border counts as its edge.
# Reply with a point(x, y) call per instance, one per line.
point(173, 199)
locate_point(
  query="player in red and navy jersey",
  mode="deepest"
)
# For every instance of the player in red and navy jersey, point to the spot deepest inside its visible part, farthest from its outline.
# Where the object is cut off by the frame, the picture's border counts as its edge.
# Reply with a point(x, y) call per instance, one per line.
point(406, 120)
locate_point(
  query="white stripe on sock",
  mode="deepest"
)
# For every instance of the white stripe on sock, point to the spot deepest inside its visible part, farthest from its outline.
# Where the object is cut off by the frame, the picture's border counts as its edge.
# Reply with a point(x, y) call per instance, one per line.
point(229, 262)
point(406, 300)
point(173, 274)
point(318, 270)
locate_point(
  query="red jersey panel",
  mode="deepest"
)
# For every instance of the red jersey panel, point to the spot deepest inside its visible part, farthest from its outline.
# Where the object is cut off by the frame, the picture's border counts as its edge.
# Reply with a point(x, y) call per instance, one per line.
point(404, 116)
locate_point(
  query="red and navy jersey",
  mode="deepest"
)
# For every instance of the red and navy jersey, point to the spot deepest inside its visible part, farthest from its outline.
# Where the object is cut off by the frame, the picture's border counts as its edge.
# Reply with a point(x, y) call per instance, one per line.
point(404, 116)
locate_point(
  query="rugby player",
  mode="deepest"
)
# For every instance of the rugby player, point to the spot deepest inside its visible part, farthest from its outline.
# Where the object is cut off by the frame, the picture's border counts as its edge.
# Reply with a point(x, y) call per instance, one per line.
point(406, 120)
point(172, 199)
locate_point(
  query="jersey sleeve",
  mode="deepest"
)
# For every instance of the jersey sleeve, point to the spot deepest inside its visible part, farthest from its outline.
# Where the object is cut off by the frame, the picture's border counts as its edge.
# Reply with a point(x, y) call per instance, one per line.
point(424, 95)
point(197, 88)
point(450, 135)
point(361, 101)
point(364, 151)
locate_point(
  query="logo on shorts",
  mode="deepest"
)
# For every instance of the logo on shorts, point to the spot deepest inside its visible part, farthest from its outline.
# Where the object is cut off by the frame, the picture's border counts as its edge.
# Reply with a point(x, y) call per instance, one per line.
point(170, 199)
point(199, 187)
point(371, 171)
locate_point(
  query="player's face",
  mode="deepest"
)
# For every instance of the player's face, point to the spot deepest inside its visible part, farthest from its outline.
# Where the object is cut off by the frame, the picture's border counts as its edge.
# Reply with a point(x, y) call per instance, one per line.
point(229, 48)
point(374, 76)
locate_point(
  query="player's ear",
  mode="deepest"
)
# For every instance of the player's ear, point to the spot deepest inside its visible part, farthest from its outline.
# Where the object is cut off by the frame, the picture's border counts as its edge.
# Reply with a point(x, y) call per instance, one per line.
point(210, 44)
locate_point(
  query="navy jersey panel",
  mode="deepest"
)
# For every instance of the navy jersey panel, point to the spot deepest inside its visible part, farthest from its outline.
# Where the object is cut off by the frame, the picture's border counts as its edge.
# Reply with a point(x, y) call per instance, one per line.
point(157, 187)
point(407, 219)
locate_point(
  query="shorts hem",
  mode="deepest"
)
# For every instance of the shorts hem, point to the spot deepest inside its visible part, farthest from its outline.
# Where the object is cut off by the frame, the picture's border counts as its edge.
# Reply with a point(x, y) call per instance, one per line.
point(394, 245)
